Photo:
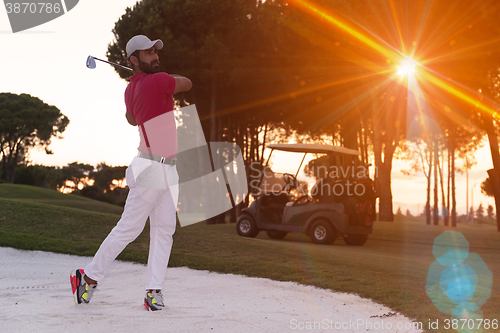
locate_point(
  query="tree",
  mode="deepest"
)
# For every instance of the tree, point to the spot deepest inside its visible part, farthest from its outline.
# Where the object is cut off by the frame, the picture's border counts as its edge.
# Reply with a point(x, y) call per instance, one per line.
point(419, 153)
point(399, 211)
point(480, 213)
point(78, 173)
point(463, 140)
point(104, 175)
point(408, 213)
point(487, 187)
point(387, 135)
point(26, 122)
point(471, 215)
point(489, 213)
point(104, 188)
point(40, 175)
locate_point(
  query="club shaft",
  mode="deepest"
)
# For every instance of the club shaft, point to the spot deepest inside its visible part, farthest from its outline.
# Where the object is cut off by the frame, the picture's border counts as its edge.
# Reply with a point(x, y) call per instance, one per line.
point(112, 63)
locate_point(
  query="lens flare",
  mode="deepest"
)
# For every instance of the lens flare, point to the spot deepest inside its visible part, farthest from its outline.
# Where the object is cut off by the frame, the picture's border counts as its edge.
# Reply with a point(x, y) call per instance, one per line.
point(406, 68)
point(425, 75)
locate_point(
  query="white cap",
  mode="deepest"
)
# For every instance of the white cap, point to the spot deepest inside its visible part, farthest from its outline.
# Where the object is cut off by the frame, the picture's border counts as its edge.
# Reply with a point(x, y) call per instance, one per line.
point(141, 42)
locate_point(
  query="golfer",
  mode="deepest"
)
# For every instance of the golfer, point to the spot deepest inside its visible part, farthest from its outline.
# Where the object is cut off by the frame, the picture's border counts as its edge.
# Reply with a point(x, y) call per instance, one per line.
point(152, 175)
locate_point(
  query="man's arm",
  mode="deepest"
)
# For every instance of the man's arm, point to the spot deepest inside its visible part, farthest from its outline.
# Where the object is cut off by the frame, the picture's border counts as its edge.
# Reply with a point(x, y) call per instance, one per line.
point(130, 119)
point(181, 83)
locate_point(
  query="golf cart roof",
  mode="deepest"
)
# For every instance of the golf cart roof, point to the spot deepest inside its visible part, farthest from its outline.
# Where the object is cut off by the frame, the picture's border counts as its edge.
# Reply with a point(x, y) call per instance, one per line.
point(313, 148)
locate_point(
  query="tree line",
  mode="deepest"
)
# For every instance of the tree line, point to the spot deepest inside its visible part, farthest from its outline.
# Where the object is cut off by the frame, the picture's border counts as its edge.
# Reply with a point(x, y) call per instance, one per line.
point(480, 215)
point(101, 182)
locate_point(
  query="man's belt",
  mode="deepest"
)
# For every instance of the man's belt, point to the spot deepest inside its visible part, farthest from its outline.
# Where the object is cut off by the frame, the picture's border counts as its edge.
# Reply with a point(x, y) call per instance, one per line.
point(157, 158)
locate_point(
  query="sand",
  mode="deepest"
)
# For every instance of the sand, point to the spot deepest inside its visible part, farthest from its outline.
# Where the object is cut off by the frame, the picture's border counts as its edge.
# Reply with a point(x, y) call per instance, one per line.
point(35, 296)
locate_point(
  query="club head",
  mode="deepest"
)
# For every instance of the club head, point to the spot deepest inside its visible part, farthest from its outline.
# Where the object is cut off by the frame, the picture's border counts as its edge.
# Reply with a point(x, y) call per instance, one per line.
point(90, 62)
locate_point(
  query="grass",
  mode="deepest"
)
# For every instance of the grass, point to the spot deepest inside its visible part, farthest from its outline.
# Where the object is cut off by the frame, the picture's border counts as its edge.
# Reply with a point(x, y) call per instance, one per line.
point(35, 194)
point(391, 268)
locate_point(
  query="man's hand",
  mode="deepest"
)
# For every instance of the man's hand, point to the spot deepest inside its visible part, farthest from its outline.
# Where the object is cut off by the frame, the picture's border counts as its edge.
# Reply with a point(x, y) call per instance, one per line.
point(181, 83)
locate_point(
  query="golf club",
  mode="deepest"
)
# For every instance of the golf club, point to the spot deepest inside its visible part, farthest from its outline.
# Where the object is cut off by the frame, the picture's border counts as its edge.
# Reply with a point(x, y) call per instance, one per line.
point(91, 63)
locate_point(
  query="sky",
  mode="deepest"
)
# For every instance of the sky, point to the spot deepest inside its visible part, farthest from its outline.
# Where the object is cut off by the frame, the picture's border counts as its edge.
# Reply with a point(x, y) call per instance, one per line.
point(48, 62)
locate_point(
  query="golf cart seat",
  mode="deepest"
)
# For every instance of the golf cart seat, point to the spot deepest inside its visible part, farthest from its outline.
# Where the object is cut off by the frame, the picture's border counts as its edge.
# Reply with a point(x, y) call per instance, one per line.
point(272, 206)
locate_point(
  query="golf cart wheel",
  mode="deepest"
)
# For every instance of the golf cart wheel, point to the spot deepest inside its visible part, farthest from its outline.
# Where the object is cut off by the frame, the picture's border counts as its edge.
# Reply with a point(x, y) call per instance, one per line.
point(246, 226)
point(322, 232)
point(356, 240)
point(276, 234)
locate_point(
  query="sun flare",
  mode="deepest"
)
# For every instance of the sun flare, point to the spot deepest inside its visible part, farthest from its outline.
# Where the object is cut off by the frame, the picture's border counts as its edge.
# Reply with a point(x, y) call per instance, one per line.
point(406, 68)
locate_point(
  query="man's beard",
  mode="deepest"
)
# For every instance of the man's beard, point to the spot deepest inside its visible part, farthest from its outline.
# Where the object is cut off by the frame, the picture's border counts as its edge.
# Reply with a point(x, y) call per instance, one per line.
point(149, 68)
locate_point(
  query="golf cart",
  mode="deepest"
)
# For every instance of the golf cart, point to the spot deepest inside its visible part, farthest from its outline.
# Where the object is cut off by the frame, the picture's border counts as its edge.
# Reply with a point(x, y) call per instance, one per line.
point(341, 203)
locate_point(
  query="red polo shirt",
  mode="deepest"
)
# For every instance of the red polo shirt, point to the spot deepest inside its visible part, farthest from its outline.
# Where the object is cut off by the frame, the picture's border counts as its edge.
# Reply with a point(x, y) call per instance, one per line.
point(148, 98)
point(149, 95)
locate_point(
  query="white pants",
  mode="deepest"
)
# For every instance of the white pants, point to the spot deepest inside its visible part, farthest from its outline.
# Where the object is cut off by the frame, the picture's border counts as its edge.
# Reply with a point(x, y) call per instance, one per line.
point(160, 204)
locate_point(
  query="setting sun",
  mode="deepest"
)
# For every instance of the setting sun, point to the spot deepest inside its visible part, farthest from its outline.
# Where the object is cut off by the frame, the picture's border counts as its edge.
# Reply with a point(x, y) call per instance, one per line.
point(407, 67)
